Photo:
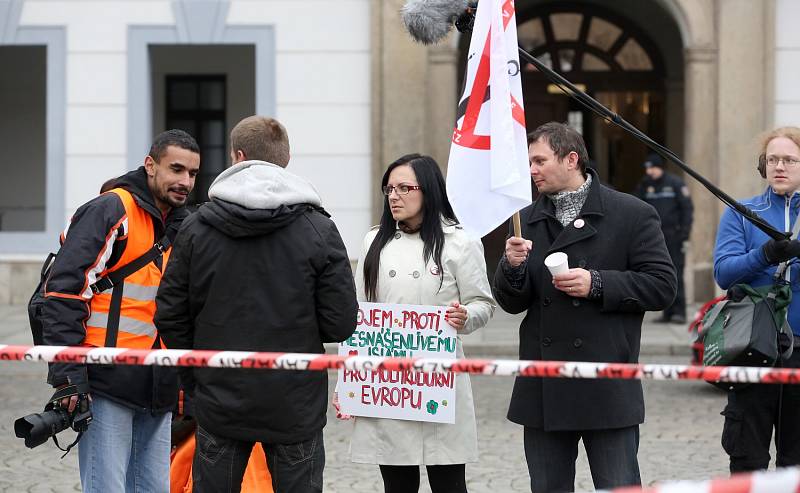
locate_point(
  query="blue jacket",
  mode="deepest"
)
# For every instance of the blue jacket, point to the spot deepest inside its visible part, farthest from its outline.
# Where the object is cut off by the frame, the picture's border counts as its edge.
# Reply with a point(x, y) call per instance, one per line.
point(738, 257)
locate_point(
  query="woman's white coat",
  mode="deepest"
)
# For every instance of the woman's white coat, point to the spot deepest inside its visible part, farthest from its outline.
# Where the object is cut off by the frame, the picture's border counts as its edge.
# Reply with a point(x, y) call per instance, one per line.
point(404, 277)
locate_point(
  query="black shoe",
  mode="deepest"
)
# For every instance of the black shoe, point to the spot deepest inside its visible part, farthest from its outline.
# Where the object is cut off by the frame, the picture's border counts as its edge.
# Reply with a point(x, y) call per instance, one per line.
point(678, 319)
point(663, 319)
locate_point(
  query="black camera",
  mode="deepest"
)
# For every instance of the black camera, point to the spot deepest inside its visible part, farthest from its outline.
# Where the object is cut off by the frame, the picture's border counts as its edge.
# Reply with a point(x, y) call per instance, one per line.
point(38, 427)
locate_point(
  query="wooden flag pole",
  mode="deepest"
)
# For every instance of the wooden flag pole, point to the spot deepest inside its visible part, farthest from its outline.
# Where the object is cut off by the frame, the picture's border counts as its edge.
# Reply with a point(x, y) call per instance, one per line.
point(517, 225)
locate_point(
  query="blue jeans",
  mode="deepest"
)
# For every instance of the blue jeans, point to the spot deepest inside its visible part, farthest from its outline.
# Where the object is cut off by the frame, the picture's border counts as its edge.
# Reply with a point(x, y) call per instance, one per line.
point(219, 464)
point(612, 458)
point(124, 450)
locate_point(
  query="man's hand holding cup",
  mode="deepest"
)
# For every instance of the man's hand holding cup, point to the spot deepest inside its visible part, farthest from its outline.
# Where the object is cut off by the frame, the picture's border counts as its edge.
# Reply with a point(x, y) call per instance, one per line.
point(574, 282)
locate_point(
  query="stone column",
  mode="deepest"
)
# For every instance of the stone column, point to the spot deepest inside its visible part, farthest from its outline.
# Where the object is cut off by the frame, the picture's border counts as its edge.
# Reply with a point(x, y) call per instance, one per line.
point(742, 82)
point(414, 93)
point(701, 153)
point(442, 99)
point(674, 98)
point(675, 134)
point(399, 85)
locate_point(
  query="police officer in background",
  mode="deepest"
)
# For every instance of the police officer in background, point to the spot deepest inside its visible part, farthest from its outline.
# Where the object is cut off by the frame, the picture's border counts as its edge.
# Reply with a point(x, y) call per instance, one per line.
point(670, 196)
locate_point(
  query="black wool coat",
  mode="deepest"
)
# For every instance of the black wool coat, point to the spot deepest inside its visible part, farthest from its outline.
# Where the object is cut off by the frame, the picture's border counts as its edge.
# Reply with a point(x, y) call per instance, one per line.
point(621, 238)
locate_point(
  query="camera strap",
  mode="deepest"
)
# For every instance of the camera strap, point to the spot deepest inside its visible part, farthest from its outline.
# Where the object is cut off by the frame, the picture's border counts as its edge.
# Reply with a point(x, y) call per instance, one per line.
point(69, 447)
point(116, 282)
point(69, 391)
point(55, 400)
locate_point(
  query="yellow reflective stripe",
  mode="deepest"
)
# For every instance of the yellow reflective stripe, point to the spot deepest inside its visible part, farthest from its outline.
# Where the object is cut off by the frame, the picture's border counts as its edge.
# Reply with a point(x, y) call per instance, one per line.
point(126, 324)
point(139, 292)
point(136, 292)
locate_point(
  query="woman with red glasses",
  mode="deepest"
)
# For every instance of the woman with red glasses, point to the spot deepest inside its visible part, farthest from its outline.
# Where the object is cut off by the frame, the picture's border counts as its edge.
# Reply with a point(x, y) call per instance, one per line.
point(420, 255)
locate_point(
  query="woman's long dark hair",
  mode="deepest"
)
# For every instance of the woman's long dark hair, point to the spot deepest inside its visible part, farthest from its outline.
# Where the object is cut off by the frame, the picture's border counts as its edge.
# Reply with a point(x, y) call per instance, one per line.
point(435, 207)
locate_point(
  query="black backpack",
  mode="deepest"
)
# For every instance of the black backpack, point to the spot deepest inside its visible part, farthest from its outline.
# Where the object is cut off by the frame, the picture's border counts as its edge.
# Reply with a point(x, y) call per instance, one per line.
point(114, 280)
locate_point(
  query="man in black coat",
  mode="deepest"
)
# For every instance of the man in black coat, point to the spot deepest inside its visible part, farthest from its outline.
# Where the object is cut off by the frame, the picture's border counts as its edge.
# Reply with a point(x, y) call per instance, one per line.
point(670, 197)
point(261, 267)
point(593, 312)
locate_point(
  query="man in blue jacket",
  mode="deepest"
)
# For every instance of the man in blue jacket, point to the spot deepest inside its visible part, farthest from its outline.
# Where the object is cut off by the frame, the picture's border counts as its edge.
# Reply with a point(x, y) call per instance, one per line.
point(744, 254)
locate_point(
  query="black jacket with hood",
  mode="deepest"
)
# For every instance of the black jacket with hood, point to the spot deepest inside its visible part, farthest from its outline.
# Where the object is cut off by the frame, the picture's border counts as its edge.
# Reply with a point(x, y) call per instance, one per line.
point(82, 257)
point(261, 267)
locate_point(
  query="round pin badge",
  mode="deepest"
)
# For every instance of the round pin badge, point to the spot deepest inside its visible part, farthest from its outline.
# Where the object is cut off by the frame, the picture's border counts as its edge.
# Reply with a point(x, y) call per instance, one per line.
point(579, 223)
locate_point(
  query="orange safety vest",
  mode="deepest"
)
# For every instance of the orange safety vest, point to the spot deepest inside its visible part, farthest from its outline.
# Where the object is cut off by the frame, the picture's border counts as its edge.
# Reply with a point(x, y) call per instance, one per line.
point(136, 328)
point(257, 478)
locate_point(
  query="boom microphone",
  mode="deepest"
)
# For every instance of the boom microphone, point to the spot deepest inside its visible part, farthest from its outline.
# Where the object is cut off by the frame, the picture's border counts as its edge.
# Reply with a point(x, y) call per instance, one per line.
point(429, 21)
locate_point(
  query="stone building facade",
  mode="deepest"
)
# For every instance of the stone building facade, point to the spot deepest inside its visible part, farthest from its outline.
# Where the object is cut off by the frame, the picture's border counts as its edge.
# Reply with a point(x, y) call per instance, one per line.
point(86, 83)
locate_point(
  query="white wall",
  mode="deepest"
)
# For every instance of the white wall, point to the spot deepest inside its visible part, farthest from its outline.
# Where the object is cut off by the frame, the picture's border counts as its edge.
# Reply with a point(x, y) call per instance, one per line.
point(787, 63)
point(97, 33)
point(323, 91)
point(323, 98)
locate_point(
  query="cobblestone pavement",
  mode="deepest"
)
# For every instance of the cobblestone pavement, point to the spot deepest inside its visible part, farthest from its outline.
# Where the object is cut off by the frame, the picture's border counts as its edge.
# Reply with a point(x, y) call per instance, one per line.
point(680, 439)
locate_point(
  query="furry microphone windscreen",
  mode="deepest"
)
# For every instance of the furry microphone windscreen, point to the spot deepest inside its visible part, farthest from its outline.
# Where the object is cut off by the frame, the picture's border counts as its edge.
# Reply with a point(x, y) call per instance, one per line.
point(429, 21)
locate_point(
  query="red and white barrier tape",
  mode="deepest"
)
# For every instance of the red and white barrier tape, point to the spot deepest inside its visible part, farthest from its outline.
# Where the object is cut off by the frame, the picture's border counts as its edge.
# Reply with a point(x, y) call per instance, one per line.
point(301, 361)
point(785, 480)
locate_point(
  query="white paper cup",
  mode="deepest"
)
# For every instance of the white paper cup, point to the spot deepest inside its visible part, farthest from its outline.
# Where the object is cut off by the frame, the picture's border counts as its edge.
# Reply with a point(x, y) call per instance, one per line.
point(557, 263)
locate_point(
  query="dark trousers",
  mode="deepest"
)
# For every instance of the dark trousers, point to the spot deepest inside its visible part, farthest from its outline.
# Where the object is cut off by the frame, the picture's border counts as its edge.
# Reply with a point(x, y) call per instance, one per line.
point(678, 256)
point(751, 416)
point(447, 478)
point(612, 458)
point(219, 464)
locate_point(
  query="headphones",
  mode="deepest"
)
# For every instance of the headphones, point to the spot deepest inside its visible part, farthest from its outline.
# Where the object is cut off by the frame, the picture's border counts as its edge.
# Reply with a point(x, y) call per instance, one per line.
point(762, 165)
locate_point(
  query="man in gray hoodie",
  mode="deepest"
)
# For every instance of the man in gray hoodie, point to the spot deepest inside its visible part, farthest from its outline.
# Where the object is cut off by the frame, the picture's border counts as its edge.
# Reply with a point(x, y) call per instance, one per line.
point(261, 267)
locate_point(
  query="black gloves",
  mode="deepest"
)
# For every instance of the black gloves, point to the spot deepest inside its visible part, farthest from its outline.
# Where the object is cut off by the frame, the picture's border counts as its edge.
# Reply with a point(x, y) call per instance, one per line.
point(777, 251)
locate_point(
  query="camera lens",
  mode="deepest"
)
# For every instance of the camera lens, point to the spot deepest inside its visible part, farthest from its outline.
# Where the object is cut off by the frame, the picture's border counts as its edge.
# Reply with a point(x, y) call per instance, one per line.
point(38, 427)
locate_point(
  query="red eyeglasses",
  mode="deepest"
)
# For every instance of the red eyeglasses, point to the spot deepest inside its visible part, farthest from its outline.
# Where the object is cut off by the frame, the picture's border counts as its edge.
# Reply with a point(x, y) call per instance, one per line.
point(400, 189)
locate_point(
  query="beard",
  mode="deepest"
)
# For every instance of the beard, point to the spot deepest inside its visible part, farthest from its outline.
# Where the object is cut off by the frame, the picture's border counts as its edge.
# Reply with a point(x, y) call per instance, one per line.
point(172, 200)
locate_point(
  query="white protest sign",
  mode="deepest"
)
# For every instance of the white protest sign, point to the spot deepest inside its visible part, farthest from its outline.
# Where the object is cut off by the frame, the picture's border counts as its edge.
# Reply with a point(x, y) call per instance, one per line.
point(412, 331)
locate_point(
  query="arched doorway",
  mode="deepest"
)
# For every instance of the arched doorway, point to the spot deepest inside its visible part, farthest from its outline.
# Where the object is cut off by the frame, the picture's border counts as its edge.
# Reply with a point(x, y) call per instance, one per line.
point(612, 51)
point(615, 62)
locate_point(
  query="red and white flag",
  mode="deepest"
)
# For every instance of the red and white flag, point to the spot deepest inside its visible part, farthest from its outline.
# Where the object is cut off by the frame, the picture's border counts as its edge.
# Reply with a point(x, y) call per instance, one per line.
point(488, 177)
